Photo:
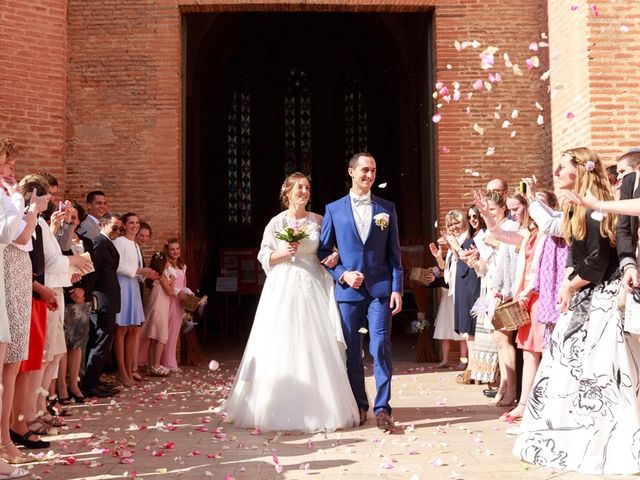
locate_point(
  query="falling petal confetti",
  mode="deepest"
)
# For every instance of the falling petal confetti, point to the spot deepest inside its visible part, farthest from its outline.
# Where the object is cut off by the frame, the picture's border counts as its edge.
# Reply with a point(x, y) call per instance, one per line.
point(477, 128)
point(506, 124)
point(513, 134)
point(214, 365)
point(477, 85)
point(438, 462)
point(624, 29)
point(594, 10)
point(570, 115)
point(540, 120)
point(383, 185)
point(514, 114)
point(533, 46)
point(363, 330)
point(491, 150)
point(545, 76)
point(445, 150)
point(457, 45)
point(436, 118)
point(488, 85)
point(496, 115)
point(574, 7)
point(538, 106)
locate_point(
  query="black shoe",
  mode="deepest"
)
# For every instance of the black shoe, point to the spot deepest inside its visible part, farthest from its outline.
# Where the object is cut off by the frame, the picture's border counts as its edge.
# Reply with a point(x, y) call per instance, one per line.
point(490, 392)
point(77, 398)
point(100, 392)
point(26, 442)
point(363, 416)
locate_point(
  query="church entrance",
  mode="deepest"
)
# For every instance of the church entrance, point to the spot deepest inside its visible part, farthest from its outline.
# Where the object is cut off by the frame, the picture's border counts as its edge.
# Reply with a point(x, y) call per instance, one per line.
point(272, 93)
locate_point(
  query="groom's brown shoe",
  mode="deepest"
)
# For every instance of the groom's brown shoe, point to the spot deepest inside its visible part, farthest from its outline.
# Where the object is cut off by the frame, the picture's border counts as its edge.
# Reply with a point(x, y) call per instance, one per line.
point(363, 417)
point(385, 422)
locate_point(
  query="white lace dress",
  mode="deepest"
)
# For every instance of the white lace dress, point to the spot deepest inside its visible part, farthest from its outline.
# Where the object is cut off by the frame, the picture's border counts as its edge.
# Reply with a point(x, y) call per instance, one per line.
point(293, 374)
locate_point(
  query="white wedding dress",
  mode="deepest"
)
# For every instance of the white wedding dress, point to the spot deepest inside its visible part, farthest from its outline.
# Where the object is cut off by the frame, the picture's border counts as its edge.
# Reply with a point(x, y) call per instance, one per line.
point(293, 374)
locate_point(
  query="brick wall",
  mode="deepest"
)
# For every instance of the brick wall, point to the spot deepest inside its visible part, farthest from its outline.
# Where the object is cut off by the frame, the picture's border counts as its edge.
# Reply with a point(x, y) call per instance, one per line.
point(33, 60)
point(124, 109)
point(464, 155)
point(595, 56)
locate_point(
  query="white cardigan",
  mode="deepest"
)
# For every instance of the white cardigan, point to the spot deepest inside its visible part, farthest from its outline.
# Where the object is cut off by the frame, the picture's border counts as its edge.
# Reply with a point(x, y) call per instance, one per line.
point(56, 265)
point(130, 257)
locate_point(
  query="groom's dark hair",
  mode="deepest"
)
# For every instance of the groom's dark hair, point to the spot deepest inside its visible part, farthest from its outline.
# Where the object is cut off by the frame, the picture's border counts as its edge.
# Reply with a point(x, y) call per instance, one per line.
point(354, 160)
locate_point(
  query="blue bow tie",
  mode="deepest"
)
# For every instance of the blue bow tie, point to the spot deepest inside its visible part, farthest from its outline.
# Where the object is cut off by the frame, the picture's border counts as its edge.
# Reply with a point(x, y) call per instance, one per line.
point(361, 201)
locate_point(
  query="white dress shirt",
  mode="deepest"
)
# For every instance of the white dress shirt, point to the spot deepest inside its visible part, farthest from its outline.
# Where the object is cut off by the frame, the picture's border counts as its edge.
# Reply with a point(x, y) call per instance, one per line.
point(361, 208)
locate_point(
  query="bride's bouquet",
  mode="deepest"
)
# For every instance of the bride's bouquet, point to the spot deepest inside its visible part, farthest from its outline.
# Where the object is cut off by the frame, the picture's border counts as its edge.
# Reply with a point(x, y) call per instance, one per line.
point(292, 234)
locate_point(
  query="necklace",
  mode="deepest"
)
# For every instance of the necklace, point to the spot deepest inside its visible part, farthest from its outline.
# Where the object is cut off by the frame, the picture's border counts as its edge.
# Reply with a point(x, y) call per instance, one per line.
point(296, 222)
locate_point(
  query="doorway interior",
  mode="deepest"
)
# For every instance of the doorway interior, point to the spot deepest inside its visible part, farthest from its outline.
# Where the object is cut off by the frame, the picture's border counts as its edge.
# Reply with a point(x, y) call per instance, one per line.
point(271, 93)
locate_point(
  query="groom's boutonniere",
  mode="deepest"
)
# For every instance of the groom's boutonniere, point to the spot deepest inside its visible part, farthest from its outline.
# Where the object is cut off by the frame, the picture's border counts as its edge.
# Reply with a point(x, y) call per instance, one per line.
point(382, 220)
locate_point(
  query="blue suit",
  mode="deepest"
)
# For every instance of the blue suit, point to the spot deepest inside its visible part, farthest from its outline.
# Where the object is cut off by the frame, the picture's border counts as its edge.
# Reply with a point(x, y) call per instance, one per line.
point(368, 306)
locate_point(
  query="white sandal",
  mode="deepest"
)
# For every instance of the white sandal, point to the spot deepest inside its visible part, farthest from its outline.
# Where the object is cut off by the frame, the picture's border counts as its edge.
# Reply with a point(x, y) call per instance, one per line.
point(17, 473)
point(159, 371)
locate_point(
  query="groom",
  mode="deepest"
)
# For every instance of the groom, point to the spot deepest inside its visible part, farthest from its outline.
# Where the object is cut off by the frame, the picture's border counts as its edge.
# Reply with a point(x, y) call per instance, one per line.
point(364, 229)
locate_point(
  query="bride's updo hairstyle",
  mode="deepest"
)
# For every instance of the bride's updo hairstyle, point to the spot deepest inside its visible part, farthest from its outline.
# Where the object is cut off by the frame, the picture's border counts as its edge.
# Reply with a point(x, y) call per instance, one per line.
point(288, 185)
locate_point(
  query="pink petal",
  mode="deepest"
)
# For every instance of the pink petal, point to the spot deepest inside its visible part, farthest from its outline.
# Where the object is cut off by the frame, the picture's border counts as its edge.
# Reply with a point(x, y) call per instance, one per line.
point(436, 118)
point(477, 85)
point(594, 10)
point(275, 459)
point(439, 86)
point(529, 63)
point(279, 468)
point(574, 7)
point(456, 95)
point(533, 46)
point(386, 465)
point(570, 115)
point(445, 150)
point(443, 91)
point(438, 462)
point(498, 77)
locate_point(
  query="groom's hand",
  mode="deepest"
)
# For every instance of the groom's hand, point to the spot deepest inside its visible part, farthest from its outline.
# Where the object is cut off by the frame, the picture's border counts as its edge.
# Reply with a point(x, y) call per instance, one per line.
point(396, 303)
point(353, 279)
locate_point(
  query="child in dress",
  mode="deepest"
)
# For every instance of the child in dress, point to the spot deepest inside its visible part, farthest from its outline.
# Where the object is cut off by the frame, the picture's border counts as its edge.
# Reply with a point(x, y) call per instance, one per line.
point(155, 330)
point(176, 309)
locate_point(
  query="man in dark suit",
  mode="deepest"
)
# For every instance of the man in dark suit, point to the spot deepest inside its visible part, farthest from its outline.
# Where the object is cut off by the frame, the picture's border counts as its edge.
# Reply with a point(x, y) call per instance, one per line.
point(106, 291)
point(627, 232)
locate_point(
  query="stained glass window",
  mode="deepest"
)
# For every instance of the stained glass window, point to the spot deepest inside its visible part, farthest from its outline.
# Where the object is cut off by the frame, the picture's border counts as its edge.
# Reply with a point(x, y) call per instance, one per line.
point(239, 157)
point(355, 118)
point(297, 122)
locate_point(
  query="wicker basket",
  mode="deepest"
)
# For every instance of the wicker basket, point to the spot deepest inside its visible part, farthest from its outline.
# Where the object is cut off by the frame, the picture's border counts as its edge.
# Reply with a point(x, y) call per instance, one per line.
point(419, 275)
point(191, 303)
point(510, 316)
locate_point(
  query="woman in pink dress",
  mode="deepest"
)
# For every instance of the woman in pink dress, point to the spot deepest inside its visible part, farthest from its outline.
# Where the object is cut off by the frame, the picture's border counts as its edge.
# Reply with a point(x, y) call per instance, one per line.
point(176, 309)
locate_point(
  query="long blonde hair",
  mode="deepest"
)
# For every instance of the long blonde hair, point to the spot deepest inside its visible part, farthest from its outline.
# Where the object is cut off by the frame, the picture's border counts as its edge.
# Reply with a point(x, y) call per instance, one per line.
point(595, 181)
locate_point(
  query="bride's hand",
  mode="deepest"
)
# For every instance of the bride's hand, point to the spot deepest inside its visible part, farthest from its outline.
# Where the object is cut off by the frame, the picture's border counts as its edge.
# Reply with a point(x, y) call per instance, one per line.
point(292, 248)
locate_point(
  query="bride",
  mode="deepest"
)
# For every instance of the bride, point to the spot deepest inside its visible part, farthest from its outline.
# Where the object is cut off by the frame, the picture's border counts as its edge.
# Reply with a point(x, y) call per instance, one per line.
point(293, 375)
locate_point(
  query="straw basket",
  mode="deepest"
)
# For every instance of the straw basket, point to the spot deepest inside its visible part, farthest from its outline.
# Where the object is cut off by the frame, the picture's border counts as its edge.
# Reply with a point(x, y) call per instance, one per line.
point(510, 316)
point(191, 303)
point(420, 275)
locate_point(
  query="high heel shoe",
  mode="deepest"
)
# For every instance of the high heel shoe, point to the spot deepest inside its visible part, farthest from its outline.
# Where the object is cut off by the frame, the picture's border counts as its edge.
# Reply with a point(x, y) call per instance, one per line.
point(77, 398)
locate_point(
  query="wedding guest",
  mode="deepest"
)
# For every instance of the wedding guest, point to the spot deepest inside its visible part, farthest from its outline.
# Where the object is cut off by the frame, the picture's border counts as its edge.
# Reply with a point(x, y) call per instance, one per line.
point(467, 291)
point(57, 276)
point(11, 214)
point(627, 229)
point(77, 315)
point(176, 310)
point(96, 209)
point(155, 330)
point(582, 414)
point(106, 292)
point(142, 238)
point(483, 363)
point(131, 314)
point(296, 334)
point(27, 308)
point(444, 323)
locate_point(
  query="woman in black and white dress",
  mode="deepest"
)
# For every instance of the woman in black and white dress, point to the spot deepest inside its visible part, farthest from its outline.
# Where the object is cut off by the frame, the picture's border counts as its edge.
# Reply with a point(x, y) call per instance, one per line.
point(583, 413)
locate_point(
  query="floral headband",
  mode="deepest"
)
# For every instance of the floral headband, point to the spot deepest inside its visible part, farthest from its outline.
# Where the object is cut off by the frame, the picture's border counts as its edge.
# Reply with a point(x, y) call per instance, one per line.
point(589, 165)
